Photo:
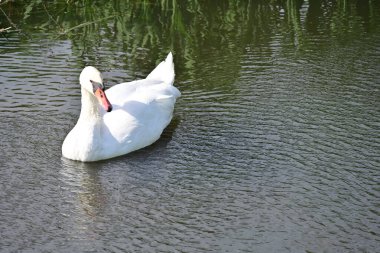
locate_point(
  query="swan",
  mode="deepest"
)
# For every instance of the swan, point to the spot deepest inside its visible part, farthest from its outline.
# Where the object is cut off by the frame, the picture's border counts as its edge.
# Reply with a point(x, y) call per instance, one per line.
point(123, 118)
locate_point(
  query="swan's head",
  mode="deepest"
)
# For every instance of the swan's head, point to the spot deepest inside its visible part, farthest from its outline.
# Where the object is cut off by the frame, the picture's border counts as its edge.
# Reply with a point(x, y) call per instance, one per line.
point(91, 80)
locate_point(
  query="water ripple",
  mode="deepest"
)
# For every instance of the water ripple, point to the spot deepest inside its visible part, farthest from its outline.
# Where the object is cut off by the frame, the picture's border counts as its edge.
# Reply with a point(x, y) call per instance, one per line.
point(272, 148)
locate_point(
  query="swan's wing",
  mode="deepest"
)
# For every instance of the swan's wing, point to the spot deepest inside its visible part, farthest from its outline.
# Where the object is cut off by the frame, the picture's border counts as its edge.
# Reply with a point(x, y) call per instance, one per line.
point(123, 92)
point(155, 86)
point(143, 91)
point(141, 119)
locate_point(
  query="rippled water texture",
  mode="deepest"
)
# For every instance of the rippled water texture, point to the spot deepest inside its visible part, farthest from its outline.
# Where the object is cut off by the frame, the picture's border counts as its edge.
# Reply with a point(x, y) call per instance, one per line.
point(274, 145)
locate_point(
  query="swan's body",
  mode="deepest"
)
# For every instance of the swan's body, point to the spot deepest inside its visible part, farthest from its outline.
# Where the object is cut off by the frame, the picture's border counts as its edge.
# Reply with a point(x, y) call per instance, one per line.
point(140, 112)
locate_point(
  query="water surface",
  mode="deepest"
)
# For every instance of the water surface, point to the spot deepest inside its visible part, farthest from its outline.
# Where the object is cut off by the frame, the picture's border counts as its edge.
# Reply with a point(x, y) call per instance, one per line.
point(274, 145)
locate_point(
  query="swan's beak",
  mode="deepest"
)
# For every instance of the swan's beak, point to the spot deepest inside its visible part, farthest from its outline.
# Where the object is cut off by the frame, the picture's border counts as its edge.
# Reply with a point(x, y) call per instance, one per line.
point(101, 96)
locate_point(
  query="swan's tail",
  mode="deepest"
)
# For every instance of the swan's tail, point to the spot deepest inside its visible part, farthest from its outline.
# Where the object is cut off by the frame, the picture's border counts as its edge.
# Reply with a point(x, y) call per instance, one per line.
point(164, 71)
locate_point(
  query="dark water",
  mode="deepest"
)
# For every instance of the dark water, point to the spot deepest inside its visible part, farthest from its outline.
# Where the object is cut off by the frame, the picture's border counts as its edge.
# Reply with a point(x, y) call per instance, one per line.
point(274, 146)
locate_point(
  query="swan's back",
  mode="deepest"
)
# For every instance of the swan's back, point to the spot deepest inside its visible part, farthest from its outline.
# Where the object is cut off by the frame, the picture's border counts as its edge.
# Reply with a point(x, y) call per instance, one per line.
point(142, 109)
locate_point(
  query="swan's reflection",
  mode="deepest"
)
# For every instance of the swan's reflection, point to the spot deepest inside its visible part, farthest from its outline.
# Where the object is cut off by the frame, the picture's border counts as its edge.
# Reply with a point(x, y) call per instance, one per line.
point(93, 194)
point(81, 182)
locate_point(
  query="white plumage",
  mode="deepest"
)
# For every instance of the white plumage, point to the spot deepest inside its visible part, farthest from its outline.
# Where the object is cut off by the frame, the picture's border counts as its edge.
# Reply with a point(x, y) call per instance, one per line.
point(140, 112)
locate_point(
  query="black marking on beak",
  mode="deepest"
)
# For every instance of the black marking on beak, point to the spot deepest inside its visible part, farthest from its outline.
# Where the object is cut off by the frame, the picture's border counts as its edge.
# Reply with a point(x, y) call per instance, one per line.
point(96, 85)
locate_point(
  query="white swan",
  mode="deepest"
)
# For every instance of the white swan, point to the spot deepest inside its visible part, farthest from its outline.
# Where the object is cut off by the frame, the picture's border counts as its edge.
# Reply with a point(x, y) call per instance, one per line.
point(124, 118)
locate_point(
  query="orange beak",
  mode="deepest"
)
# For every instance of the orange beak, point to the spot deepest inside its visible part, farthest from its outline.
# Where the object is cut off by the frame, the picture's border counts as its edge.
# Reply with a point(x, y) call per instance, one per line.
point(103, 100)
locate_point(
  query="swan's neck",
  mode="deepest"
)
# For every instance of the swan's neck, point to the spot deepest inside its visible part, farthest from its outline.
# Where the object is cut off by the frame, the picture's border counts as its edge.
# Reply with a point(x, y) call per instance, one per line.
point(83, 140)
point(90, 111)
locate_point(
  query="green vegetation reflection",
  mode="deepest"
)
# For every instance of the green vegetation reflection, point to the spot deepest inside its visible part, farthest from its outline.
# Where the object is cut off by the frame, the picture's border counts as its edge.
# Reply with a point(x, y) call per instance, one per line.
point(219, 31)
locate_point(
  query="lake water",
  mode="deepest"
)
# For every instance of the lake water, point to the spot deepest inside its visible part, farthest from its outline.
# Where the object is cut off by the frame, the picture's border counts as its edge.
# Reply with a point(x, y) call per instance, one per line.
point(274, 145)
